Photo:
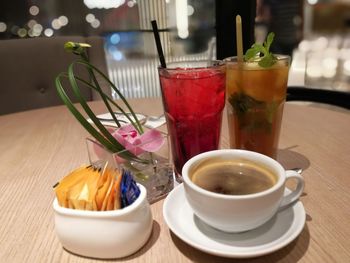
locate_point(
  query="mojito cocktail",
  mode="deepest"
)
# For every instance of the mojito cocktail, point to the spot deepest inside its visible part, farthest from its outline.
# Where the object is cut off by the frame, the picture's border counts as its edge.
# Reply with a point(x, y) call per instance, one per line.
point(255, 100)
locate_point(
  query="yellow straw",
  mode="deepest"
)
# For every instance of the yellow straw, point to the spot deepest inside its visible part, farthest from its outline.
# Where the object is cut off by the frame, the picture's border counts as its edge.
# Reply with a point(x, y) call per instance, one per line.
point(239, 38)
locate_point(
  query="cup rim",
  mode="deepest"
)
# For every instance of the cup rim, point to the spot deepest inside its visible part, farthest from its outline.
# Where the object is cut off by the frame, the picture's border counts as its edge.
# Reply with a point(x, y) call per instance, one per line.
point(102, 214)
point(280, 57)
point(219, 63)
point(236, 152)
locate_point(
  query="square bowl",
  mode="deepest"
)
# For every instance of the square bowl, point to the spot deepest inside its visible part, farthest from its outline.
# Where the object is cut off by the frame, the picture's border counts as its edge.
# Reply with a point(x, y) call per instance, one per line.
point(105, 234)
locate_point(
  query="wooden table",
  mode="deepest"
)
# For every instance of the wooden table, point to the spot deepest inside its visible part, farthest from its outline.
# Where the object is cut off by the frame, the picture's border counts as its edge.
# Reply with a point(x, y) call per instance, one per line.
point(39, 147)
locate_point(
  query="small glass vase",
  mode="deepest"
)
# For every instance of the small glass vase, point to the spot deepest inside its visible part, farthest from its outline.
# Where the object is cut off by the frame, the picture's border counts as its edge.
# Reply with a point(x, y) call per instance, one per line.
point(153, 170)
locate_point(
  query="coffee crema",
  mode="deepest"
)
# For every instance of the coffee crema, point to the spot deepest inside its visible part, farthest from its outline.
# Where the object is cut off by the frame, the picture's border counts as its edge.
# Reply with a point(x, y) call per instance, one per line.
point(232, 177)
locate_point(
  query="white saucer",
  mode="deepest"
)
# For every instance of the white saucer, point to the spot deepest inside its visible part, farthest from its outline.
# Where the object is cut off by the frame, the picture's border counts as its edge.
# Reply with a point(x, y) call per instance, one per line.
point(282, 229)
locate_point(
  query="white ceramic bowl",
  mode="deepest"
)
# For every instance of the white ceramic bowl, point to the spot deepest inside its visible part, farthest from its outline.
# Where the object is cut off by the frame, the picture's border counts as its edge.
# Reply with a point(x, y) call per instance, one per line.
point(105, 234)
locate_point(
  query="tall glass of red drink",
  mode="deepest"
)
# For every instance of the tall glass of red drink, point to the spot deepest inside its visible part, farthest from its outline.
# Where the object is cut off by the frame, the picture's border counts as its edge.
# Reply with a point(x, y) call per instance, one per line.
point(193, 94)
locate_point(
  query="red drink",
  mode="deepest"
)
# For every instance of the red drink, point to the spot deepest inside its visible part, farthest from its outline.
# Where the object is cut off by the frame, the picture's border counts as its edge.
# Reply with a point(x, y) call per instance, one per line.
point(193, 99)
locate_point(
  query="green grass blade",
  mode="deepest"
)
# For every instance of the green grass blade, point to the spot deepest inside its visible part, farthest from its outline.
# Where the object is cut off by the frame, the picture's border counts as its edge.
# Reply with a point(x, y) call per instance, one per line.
point(113, 146)
point(136, 123)
point(80, 117)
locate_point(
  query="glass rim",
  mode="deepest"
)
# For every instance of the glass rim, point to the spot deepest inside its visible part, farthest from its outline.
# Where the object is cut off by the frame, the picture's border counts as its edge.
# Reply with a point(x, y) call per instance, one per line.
point(202, 64)
point(280, 57)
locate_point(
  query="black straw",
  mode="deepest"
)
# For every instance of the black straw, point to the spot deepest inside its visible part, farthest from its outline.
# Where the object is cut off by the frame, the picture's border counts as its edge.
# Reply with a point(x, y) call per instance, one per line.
point(158, 44)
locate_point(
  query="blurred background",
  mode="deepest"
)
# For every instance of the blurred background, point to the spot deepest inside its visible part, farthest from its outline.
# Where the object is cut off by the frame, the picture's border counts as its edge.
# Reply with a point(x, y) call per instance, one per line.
point(316, 33)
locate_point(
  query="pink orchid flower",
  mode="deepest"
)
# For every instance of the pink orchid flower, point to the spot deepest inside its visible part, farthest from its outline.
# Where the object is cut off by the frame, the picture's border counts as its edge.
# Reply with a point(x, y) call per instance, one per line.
point(150, 141)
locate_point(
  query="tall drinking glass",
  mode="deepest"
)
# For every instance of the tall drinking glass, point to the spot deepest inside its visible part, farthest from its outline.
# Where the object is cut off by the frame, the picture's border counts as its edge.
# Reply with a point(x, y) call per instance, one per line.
point(255, 100)
point(193, 94)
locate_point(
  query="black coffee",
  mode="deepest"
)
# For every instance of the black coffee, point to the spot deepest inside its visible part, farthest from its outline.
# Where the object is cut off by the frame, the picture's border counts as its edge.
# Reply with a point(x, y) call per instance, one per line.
point(232, 177)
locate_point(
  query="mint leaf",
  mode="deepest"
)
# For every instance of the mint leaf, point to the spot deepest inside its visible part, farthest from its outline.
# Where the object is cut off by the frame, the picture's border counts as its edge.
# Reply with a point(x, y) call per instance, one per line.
point(248, 112)
point(243, 103)
point(269, 40)
point(261, 53)
point(258, 47)
point(254, 52)
point(251, 53)
point(267, 61)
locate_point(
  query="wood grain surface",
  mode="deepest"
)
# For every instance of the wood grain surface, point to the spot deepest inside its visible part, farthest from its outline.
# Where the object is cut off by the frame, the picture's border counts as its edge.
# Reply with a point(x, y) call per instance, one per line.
point(39, 147)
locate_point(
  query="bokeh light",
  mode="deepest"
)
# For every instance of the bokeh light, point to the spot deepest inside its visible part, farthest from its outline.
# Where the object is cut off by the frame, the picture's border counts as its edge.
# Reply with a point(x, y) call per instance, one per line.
point(329, 63)
point(190, 10)
point(312, 2)
point(103, 3)
point(31, 23)
point(3, 27)
point(34, 10)
point(314, 72)
point(63, 20)
point(22, 32)
point(56, 24)
point(320, 43)
point(328, 73)
point(117, 55)
point(131, 3)
point(305, 46)
point(48, 32)
point(90, 18)
point(115, 38)
point(37, 29)
point(314, 67)
point(96, 23)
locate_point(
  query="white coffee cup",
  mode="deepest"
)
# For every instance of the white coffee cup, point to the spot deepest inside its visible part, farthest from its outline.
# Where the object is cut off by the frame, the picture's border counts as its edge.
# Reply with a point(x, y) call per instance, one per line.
point(238, 213)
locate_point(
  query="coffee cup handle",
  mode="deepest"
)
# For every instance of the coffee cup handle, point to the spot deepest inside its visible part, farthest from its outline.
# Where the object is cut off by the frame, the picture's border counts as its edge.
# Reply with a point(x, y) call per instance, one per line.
point(295, 194)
